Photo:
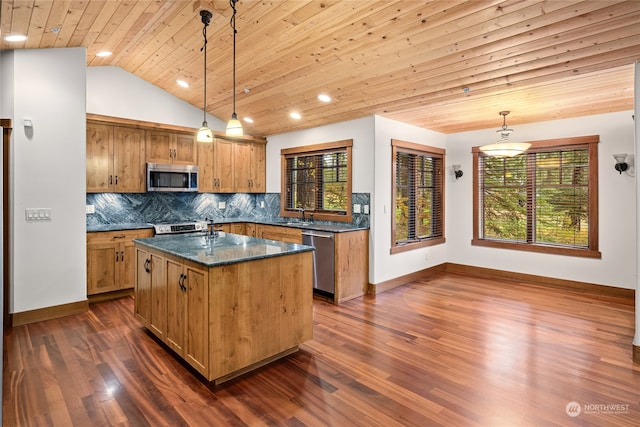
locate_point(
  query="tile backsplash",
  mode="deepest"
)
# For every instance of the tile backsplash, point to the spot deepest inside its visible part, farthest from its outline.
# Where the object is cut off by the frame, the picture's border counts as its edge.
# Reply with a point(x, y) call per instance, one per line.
point(133, 208)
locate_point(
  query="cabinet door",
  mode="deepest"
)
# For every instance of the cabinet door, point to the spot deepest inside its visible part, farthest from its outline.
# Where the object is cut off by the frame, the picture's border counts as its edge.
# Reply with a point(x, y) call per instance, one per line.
point(223, 165)
point(185, 149)
point(250, 229)
point(160, 146)
point(241, 165)
point(142, 301)
point(237, 228)
point(197, 344)
point(128, 160)
point(257, 170)
point(99, 157)
point(206, 168)
point(102, 269)
point(176, 306)
point(158, 322)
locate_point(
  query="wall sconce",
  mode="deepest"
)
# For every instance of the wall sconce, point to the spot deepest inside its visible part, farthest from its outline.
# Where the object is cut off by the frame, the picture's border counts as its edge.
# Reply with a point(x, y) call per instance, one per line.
point(621, 163)
point(457, 171)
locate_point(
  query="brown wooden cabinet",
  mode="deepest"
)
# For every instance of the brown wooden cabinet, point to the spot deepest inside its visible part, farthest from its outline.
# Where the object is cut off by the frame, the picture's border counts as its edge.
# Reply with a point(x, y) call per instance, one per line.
point(115, 159)
point(351, 261)
point(110, 260)
point(215, 166)
point(228, 166)
point(280, 233)
point(172, 301)
point(168, 146)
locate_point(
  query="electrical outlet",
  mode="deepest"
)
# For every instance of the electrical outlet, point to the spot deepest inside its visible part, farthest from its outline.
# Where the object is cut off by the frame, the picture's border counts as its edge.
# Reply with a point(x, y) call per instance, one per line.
point(90, 209)
point(366, 209)
point(222, 205)
point(356, 208)
point(262, 203)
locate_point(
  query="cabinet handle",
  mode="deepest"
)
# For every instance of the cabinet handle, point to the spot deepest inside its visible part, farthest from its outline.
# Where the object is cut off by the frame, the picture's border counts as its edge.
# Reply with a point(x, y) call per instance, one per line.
point(110, 179)
point(117, 256)
point(119, 236)
point(146, 265)
point(116, 179)
point(181, 282)
point(122, 256)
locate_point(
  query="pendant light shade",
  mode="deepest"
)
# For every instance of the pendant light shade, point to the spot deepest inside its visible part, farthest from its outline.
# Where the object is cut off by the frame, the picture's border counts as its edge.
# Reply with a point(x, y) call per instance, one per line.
point(505, 148)
point(204, 133)
point(234, 127)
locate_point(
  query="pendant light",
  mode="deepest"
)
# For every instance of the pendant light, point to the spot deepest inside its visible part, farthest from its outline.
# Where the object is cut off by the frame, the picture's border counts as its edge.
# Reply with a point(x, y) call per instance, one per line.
point(504, 148)
point(234, 127)
point(204, 133)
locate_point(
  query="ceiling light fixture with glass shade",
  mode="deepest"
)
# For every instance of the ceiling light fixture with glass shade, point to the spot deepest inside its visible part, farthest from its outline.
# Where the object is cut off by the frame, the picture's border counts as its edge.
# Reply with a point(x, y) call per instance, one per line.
point(504, 147)
point(234, 127)
point(204, 133)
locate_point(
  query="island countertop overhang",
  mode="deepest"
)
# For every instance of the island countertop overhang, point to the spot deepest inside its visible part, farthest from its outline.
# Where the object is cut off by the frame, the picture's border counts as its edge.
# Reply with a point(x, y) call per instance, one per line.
point(224, 249)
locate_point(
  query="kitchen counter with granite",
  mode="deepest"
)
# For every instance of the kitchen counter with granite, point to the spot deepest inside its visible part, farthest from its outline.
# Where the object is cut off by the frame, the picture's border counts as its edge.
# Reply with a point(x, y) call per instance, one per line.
point(224, 249)
point(226, 305)
point(333, 227)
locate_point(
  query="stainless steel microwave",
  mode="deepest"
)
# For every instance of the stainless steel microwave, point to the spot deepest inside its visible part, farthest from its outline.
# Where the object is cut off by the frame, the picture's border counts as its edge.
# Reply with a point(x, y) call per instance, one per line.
point(166, 177)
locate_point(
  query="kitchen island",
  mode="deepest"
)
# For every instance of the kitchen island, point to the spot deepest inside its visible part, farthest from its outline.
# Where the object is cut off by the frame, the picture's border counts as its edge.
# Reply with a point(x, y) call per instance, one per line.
point(226, 305)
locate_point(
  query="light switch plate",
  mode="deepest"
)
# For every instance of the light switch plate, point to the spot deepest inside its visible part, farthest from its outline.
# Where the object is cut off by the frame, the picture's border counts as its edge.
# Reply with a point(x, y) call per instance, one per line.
point(37, 214)
point(356, 208)
point(222, 205)
point(89, 209)
point(366, 209)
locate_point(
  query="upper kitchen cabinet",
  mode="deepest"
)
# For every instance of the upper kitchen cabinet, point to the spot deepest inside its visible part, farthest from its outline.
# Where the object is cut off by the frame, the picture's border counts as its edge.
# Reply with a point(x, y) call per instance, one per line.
point(115, 158)
point(230, 166)
point(215, 166)
point(166, 146)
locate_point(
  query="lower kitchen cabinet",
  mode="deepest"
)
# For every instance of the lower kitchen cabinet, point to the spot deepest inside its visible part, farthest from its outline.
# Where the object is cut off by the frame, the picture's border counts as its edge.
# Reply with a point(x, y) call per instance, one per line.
point(111, 261)
point(172, 300)
point(277, 232)
point(351, 263)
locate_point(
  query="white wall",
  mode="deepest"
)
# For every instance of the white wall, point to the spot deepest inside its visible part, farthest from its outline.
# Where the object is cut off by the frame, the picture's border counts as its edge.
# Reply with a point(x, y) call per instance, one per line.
point(382, 265)
point(48, 171)
point(361, 131)
point(617, 209)
point(112, 91)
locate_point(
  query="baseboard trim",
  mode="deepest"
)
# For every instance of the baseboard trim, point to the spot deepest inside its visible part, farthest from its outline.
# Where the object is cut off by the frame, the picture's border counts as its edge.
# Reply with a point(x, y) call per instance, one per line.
point(110, 295)
point(48, 313)
point(403, 280)
point(489, 273)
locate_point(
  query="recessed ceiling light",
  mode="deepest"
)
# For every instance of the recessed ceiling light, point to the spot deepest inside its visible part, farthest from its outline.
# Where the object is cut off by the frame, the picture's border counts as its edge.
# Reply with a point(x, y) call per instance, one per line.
point(295, 115)
point(248, 119)
point(103, 54)
point(16, 38)
point(182, 83)
point(324, 97)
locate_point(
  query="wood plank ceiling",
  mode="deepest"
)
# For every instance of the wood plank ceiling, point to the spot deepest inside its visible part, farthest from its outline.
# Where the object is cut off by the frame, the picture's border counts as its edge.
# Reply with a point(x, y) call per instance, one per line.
point(449, 66)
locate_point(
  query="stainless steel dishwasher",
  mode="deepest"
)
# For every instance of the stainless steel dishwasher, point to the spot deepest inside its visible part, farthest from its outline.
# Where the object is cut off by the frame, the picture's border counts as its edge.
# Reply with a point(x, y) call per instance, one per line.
point(323, 260)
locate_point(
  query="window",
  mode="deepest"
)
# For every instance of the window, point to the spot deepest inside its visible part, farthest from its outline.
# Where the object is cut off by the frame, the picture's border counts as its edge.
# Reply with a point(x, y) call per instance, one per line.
point(418, 196)
point(544, 200)
point(317, 178)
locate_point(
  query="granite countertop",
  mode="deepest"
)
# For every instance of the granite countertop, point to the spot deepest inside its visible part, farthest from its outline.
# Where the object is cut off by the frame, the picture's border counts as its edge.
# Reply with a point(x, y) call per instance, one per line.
point(227, 248)
point(318, 226)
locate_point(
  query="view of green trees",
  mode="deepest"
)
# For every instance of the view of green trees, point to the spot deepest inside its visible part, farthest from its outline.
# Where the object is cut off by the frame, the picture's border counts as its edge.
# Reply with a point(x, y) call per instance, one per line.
point(537, 197)
point(319, 182)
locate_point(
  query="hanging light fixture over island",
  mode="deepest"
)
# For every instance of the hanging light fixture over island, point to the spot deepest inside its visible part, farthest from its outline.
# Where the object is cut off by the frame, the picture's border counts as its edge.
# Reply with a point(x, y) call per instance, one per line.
point(234, 127)
point(204, 133)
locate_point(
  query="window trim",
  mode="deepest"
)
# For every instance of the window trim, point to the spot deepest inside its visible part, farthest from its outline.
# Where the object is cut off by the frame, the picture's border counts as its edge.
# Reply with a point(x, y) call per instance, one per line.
point(308, 150)
point(419, 149)
point(591, 141)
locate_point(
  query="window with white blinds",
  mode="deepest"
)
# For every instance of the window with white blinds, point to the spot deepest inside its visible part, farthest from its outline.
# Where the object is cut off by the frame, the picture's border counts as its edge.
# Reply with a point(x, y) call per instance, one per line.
point(418, 196)
point(317, 179)
point(543, 200)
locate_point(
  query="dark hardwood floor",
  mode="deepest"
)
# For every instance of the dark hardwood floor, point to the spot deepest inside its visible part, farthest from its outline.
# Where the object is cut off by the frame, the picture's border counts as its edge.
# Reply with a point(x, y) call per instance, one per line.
point(453, 350)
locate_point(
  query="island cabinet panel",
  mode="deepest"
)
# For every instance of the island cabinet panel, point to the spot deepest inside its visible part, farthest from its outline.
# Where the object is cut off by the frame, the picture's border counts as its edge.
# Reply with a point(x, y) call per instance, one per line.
point(257, 312)
point(151, 291)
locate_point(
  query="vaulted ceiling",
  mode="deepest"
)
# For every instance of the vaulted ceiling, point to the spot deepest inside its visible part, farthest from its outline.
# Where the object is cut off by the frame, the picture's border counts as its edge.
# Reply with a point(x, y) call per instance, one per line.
point(449, 66)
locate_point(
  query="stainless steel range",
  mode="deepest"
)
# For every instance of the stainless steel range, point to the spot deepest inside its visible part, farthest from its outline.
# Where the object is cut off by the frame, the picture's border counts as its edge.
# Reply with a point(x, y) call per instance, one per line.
point(181, 227)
